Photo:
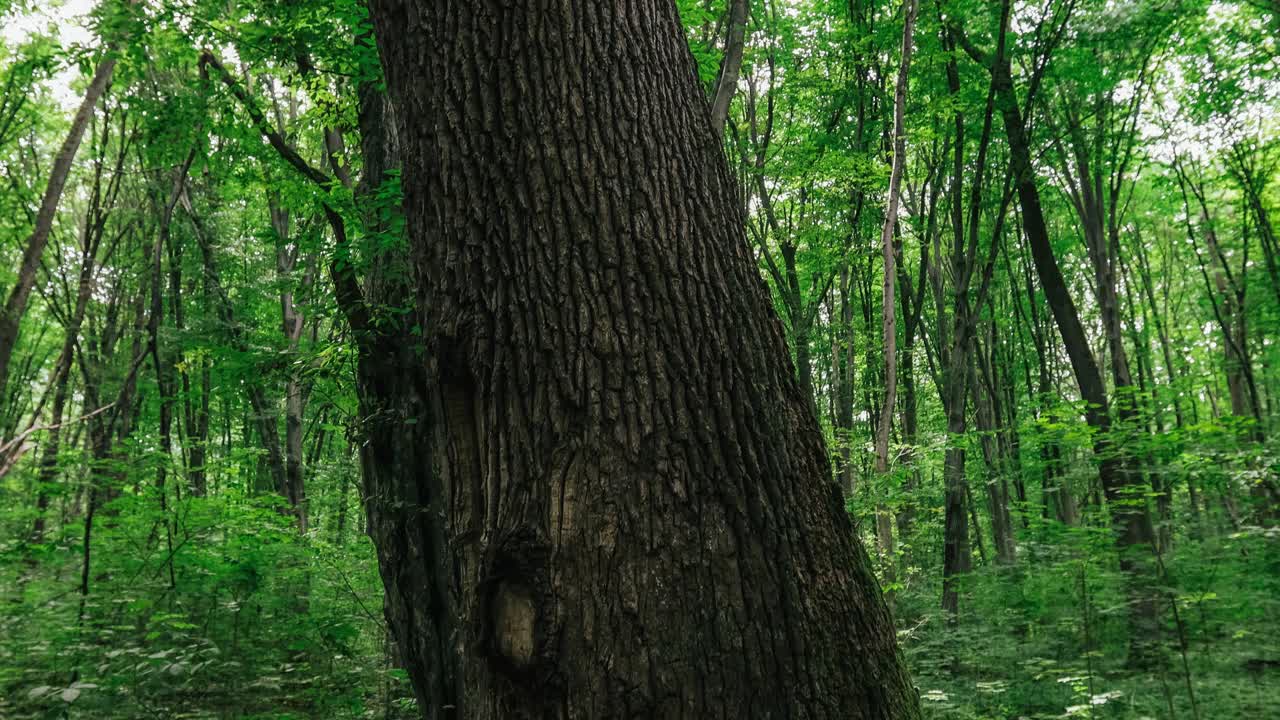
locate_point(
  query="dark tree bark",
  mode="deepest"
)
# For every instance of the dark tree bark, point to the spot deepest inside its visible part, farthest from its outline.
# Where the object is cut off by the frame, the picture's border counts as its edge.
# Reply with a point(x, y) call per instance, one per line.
point(619, 503)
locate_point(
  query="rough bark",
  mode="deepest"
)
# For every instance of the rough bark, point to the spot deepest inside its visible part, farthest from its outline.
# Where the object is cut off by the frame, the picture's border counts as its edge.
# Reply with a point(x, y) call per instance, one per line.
point(615, 453)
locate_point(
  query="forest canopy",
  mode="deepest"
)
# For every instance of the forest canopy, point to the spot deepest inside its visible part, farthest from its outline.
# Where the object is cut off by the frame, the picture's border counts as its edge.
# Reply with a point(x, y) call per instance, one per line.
point(743, 358)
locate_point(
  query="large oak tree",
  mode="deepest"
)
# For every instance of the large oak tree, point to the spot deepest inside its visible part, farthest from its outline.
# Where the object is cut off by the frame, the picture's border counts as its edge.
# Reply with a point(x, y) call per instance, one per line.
point(596, 486)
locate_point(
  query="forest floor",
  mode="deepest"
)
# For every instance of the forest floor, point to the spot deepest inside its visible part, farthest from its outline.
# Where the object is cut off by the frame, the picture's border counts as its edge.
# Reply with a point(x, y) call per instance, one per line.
point(1048, 638)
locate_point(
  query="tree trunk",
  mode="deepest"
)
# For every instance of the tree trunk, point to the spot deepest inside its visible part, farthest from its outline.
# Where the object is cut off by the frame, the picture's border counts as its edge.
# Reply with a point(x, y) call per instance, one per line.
point(1133, 530)
point(61, 377)
point(161, 361)
point(16, 305)
point(263, 415)
point(997, 489)
point(956, 555)
point(884, 519)
point(195, 416)
point(291, 323)
point(731, 65)
point(1056, 495)
point(910, 428)
point(847, 375)
point(615, 453)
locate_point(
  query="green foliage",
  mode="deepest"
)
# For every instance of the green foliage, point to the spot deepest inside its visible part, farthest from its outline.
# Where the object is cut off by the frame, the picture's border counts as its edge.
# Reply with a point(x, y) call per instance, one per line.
point(241, 617)
point(1049, 638)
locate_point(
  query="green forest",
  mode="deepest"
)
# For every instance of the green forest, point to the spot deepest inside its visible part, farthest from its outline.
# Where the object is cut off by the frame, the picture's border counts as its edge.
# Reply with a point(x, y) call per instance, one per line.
point(577, 359)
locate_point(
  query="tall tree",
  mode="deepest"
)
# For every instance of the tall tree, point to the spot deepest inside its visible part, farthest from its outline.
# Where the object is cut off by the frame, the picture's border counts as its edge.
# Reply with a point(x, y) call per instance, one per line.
point(16, 304)
point(884, 521)
point(664, 488)
point(727, 81)
point(1134, 533)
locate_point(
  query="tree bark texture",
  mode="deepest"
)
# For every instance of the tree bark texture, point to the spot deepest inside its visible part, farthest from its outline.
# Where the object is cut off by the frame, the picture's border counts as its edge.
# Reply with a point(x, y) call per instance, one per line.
point(609, 496)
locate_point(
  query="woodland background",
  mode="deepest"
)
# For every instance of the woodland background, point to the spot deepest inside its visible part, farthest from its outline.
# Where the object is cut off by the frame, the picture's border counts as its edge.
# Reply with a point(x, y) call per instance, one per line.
point(181, 529)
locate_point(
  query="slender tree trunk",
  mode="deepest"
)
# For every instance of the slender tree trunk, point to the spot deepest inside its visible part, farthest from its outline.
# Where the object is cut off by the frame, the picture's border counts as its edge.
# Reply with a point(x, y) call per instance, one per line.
point(1000, 392)
point(977, 524)
point(263, 416)
point(291, 325)
point(848, 373)
point(615, 453)
point(15, 405)
point(164, 367)
point(798, 315)
point(956, 555)
point(195, 410)
point(910, 430)
point(1161, 484)
point(997, 493)
point(1135, 523)
point(731, 65)
point(1011, 437)
point(954, 388)
point(884, 518)
point(61, 376)
point(16, 305)
point(1133, 529)
point(90, 242)
point(198, 437)
point(1058, 500)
